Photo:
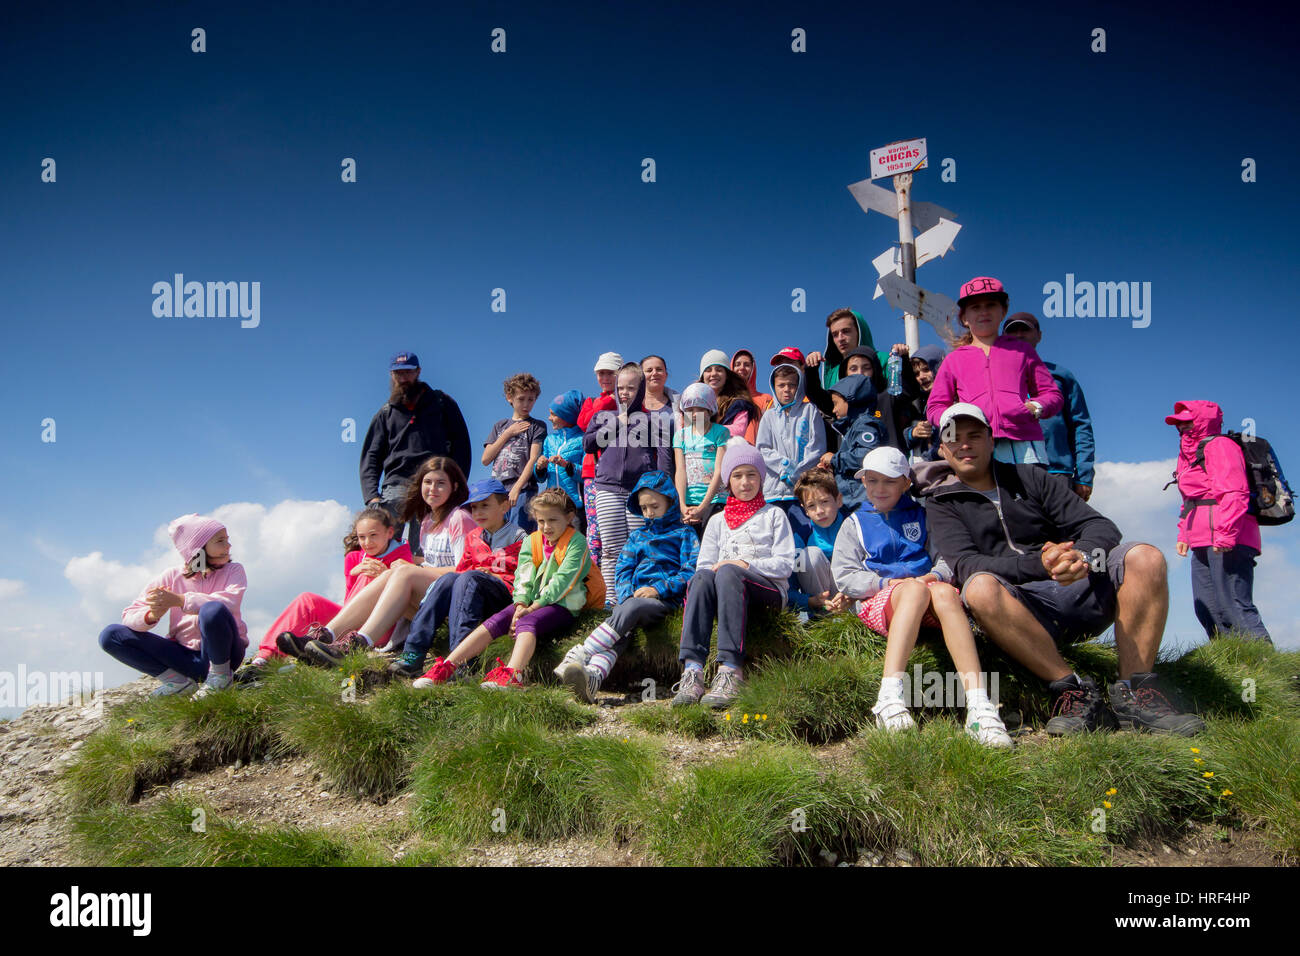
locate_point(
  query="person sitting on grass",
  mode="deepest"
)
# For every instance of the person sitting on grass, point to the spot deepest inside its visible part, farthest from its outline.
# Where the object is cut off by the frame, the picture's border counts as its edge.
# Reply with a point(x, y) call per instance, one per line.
point(816, 524)
point(478, 587)
point(1039, 568)
point(371, 551)
point(551, 586)
point(206, 636)
point(387, 604)
point(745, 561)
point(881, 560)
point(654, 568)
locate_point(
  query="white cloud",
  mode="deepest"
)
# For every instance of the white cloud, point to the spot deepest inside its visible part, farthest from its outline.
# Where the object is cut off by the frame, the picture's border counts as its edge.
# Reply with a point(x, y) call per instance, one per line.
point(10, 589)
point(292, 547)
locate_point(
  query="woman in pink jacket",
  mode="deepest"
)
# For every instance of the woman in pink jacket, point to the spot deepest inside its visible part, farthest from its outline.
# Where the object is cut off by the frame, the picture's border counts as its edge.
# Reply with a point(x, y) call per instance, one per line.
point(206, 637)
point(1002, 375)
point(1216, 524)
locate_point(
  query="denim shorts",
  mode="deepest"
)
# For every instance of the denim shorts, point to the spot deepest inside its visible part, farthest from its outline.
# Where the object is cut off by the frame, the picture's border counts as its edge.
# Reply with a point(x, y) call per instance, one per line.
point(1071, 613)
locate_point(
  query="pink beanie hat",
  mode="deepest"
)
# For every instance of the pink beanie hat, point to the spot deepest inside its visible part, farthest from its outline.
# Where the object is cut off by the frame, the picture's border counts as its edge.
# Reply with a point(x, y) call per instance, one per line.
point(740, 452)
point(191, 532)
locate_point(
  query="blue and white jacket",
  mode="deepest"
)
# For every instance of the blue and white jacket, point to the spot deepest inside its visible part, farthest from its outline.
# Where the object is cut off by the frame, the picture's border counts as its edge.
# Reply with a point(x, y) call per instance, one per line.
point(873, 548)
point(564, 444)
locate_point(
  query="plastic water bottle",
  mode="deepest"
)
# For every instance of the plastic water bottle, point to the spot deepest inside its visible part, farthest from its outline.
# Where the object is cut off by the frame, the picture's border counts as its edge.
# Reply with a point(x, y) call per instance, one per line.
point(894, 373)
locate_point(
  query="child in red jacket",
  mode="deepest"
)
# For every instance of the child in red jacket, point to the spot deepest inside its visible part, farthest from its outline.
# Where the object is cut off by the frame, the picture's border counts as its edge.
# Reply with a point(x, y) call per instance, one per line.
point(371, 550)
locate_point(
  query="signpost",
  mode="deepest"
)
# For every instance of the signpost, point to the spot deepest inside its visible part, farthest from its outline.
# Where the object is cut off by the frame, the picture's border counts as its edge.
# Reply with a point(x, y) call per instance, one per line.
point(938, 229)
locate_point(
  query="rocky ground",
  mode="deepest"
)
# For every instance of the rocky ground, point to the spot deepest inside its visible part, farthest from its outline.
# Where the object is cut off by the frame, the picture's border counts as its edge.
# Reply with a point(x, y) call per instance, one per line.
point(39, 743)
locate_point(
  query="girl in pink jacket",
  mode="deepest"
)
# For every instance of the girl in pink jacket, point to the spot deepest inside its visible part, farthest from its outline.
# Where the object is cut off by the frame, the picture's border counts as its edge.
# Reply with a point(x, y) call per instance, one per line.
point(1002, 375)
point(206, 637)
point(1216, 524)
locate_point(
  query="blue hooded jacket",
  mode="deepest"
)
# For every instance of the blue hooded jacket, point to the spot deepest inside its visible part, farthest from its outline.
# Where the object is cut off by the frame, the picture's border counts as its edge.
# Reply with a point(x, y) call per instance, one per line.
point(810, 535)
point(661, 554)
point(862, 432)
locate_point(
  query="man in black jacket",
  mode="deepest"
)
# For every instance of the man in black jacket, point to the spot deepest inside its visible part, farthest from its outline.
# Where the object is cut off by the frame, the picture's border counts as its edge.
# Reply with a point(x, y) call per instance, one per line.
point(1038, 568)
point(417, 423)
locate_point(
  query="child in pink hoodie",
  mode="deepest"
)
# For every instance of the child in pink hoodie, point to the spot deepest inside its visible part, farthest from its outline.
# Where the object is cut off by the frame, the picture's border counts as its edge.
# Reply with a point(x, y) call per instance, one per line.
point(206, 637)
point(999, 373)
point(1216, 524)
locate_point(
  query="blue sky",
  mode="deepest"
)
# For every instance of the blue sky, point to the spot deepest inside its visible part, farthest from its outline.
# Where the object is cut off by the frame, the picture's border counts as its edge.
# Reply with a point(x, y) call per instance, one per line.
point(522, 171)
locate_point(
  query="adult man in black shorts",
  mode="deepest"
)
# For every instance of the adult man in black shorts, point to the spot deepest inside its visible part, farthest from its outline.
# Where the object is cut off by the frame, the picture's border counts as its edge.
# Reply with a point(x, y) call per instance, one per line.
point(1039, 568)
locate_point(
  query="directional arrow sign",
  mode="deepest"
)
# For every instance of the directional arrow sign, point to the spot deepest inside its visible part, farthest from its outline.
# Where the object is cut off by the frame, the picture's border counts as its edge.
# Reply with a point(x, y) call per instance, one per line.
point(935, 242)
point(932, 244)
point(933, 307)
point(873, 198)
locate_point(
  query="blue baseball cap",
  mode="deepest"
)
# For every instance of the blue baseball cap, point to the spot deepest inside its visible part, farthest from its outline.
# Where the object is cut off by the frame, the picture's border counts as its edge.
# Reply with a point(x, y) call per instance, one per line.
point(404, 360)
point(481, 490)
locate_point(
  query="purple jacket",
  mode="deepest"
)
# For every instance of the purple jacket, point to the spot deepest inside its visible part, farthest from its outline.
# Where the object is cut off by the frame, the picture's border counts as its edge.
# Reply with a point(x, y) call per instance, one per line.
point(630, 446)
point(999, 383)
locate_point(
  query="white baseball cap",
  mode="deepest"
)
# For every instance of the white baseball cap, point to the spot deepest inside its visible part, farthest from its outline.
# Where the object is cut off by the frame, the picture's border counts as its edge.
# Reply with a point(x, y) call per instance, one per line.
point(885, 460)
point(962, 410)
point(608, 362)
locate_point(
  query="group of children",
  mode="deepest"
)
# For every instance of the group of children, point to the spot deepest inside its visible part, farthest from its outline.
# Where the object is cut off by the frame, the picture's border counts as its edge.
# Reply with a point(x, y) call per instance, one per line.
point(641, 500)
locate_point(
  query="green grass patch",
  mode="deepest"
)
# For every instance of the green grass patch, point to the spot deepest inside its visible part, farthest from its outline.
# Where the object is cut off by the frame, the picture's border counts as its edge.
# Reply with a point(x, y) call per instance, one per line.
point(657, 717)
point(522, 782)
point(179, 832)
point(1256, 769)
point(770, 805)
point(1044, 804)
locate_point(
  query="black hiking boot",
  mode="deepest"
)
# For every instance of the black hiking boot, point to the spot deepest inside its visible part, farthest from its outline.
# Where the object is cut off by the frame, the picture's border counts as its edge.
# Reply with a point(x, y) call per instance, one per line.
point(1078, 707)
point(1144, 707)
point(290, 644)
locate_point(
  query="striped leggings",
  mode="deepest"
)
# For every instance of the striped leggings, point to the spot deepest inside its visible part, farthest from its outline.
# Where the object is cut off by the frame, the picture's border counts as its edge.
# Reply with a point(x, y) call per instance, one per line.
point(616, 526)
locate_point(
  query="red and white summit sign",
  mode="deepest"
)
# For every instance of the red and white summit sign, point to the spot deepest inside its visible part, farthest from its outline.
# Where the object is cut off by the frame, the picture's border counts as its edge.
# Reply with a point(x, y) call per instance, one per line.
point(901, 157)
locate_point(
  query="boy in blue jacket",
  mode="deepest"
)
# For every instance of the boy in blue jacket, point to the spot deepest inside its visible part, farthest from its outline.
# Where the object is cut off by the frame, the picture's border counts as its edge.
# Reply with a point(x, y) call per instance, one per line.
point(650, 578)
point(815, 524)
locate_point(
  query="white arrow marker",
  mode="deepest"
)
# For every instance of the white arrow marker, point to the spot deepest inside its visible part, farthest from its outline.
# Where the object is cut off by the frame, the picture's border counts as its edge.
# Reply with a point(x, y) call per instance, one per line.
point(935, 242)
point(932, 244)
point(934, 307)
point(873, 198)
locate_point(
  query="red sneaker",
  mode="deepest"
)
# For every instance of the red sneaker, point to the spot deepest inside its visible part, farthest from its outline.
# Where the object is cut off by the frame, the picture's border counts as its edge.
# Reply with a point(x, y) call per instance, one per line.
point(439, 673)
point(502, 677)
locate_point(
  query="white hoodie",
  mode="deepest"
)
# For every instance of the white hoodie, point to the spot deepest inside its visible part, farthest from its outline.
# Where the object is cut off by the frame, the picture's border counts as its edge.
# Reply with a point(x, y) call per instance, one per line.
point(764, 542)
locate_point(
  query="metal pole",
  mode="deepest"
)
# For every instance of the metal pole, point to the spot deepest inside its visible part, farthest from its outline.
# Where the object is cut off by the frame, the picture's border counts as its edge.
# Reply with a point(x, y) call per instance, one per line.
point(907, 252)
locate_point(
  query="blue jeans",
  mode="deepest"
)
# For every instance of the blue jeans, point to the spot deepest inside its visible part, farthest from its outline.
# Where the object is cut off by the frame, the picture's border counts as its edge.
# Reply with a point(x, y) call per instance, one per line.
point(219, 642)
point(519, 513)
point(1223, 586)
point(464, 600)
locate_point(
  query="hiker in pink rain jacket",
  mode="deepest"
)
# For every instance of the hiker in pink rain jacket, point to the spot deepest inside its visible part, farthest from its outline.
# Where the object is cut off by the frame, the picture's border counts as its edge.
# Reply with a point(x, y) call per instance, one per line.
point(1215, 524)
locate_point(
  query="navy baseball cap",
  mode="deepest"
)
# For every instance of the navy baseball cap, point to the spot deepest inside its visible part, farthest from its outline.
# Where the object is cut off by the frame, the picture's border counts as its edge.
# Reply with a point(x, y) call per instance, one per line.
point(404, 360)
point(480, 490)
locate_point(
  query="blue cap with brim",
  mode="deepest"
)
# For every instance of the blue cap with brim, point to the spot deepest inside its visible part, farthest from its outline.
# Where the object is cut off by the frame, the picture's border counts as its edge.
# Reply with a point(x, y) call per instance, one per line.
point(482, 490)
point(404, 360)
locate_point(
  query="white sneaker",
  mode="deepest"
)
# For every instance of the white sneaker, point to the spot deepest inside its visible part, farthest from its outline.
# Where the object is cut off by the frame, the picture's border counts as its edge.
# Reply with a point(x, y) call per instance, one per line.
point(583, 681)
point(577, 654)
point(892, 714)
point(214, 683)
point(984, 724)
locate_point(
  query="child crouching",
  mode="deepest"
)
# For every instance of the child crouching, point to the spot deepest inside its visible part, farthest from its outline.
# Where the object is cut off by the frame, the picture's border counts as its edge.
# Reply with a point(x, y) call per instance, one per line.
point(653, 571)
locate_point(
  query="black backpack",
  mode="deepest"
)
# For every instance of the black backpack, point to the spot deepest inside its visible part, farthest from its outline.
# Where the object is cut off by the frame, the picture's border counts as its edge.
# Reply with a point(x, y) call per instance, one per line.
point(1270, 495)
